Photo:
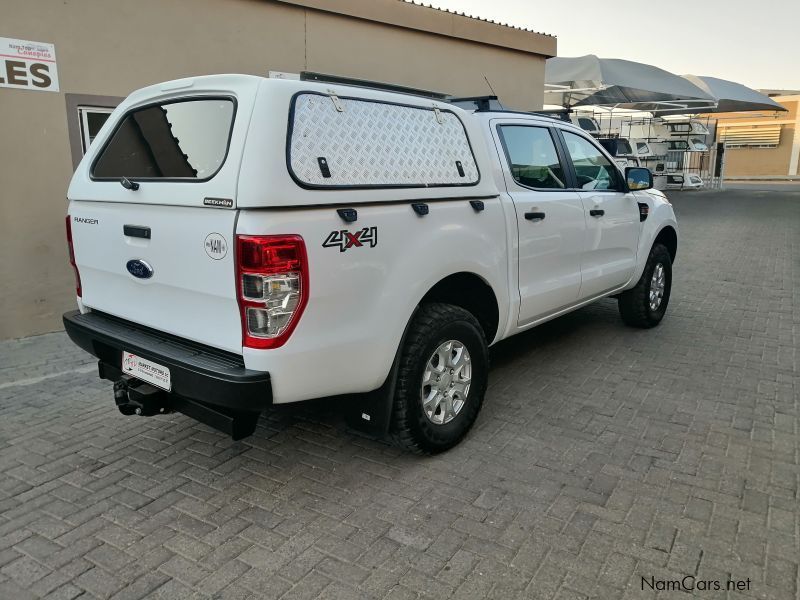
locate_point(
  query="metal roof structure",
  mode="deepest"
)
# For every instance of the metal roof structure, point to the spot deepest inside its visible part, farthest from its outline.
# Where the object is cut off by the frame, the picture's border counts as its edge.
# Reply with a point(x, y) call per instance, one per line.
point(475, 17)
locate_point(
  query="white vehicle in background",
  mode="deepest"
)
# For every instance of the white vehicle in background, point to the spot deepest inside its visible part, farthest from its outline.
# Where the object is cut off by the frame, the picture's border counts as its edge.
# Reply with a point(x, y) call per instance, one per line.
point(684, 181)
point(686, 145)
point(697, 144)
point(685, 128)
point(585, 122)
point(688, 135)
point(580, 119)
point(644, 153)
point(239, 242)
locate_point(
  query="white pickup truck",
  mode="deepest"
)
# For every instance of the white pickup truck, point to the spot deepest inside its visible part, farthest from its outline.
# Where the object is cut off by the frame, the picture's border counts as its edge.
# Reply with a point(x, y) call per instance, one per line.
point(240, 241)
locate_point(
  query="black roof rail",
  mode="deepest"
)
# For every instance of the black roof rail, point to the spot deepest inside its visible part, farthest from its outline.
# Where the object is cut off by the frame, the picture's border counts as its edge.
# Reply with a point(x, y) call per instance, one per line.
point(558, 115)
point(492, 104)
point(478, 103)
point(366, 83)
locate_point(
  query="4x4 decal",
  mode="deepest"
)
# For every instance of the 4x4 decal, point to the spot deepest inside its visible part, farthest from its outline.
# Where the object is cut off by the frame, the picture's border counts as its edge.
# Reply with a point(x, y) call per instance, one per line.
point(344, 239)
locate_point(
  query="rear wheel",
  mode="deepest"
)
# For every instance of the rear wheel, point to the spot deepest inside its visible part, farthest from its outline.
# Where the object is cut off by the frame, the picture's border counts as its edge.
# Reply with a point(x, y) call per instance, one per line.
point(441, 379)
point(645, 305)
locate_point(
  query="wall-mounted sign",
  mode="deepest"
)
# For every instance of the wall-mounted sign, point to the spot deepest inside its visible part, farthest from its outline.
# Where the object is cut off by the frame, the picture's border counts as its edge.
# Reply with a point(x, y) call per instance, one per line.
point(28, 65)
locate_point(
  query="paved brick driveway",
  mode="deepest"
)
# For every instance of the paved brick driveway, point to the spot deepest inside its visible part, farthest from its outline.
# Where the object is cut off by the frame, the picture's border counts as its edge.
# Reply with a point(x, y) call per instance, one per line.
point(603, 455)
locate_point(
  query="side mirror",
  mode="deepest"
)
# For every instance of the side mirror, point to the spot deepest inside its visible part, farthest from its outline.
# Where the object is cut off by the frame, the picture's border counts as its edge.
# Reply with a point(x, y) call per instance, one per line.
point(638, 178)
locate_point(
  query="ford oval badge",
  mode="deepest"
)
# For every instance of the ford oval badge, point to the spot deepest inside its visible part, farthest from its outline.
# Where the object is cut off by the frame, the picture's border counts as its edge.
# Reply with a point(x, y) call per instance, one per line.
point(139, 269)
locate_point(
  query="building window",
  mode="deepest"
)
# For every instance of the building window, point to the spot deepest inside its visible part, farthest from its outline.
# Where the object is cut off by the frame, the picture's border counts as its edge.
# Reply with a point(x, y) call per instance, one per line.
point(748, 135)
point(91, 119)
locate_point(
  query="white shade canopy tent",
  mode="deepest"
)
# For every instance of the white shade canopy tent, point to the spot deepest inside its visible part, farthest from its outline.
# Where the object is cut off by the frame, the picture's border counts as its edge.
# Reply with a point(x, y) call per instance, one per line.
point(731, 96)
point(611, 82)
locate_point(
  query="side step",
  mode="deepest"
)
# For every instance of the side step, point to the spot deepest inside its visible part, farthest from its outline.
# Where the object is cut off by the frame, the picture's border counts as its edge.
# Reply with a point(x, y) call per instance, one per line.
point(134, 397)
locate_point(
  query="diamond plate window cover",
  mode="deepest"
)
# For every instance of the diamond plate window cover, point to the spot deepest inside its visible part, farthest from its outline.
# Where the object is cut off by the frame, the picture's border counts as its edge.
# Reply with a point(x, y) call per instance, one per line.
point(377, 144)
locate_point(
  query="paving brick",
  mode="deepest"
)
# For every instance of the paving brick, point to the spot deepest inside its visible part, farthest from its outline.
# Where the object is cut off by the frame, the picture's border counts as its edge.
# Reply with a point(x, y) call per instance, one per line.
point(99, 583)
point(25, 571)
point(308, 588)
point(602, 454)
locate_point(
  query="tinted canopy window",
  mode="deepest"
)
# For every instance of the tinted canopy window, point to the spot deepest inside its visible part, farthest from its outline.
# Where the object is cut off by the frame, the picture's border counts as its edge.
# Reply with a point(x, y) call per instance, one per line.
point(623, 147)
point(177, 140)
point(532, 156)
point(680, 127)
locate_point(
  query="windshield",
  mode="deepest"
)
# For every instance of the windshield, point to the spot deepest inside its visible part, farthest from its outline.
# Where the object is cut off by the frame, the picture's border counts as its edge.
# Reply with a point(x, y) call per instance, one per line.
point(186, 139)
point(587, 124)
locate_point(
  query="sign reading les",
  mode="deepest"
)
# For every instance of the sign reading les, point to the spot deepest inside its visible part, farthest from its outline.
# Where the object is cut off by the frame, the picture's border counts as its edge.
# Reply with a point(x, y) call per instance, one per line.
point(28, 65)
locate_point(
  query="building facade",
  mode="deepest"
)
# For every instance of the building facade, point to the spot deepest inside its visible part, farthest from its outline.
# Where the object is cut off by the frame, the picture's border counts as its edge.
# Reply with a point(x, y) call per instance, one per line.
point(65, 65)
point(762, 145)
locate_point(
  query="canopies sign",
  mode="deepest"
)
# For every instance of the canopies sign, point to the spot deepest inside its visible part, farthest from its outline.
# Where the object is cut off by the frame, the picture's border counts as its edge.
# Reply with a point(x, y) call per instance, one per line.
point(28, 65)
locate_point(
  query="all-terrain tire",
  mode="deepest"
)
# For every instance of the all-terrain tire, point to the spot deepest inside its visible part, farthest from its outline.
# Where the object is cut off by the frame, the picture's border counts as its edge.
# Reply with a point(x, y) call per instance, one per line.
point(435, 324)
point(636, 305)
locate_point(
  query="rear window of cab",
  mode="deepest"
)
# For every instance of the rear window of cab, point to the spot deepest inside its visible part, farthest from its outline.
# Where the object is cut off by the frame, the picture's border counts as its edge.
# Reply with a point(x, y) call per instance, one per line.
point(182, 140)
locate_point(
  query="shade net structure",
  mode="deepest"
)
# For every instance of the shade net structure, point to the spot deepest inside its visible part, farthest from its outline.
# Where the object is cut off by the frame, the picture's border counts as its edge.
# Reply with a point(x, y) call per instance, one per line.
point(589, 80)
point(731, 96)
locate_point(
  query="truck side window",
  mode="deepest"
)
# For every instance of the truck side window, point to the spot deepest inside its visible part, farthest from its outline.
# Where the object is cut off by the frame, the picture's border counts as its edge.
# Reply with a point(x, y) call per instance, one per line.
point(593, 170)
point(532, 157)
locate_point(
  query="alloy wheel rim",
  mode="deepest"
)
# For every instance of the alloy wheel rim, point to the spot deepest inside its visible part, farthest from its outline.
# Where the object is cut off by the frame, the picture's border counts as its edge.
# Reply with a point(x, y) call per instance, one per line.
point(445, 382)
point(658, 284)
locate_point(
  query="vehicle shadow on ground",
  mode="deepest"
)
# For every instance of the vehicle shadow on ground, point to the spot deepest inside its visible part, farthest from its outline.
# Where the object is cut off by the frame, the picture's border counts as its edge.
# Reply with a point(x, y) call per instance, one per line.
point(548, 340)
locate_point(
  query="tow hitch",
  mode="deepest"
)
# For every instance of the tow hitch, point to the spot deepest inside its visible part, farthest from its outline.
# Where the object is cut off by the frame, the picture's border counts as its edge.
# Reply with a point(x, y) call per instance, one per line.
point(135, 397)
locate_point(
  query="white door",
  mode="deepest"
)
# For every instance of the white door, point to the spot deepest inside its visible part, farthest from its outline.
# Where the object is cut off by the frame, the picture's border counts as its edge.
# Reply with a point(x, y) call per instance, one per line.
point(550, 220)
point(612, 218)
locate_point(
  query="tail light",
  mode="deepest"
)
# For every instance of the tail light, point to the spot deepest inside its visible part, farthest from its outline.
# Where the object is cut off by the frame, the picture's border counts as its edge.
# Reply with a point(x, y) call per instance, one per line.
point(272, 287)
point(72, 257)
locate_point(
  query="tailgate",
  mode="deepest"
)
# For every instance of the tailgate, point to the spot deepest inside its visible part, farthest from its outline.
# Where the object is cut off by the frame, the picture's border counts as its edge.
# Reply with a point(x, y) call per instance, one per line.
point(153, 209)
point(167, 267)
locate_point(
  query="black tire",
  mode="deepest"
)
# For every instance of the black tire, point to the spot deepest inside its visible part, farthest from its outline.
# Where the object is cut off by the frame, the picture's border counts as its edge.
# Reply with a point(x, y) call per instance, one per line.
point(634, 304)
point(433, 325)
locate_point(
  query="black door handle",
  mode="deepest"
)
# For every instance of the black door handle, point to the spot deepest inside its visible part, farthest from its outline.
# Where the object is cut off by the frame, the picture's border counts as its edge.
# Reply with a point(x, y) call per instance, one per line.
point(596, 212)
point(534, 216)
point(140, 231)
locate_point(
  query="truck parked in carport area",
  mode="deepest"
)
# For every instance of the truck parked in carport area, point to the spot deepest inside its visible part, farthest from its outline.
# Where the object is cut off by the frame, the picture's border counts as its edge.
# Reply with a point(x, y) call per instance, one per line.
point(240, 242)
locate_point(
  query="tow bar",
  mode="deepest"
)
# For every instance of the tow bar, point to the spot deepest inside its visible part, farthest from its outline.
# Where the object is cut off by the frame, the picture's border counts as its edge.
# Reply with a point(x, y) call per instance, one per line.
point(135, 397)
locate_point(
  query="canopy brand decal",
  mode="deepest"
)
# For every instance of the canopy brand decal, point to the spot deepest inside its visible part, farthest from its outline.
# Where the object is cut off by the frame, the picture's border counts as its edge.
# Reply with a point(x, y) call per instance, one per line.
point(28, 65)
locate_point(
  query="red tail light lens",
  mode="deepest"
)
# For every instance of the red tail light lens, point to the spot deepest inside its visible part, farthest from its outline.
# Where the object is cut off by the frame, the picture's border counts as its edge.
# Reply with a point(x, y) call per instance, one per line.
point(72, 257)
point(272, 287)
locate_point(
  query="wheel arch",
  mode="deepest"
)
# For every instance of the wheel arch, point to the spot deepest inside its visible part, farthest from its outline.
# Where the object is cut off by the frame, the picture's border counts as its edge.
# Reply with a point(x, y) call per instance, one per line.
point(472, 293)
point(669, 238)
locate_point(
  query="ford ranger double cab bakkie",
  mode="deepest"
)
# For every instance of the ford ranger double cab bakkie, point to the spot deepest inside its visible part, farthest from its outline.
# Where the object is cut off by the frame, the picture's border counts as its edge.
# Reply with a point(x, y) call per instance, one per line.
point(240, 242)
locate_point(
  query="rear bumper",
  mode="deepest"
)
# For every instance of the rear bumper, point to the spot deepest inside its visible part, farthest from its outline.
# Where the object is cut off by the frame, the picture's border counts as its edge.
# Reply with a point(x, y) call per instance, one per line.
point(197, 372)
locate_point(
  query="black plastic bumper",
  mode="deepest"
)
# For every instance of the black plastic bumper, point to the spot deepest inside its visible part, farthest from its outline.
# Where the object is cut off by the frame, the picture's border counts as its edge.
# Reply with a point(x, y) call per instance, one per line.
point(197, 372)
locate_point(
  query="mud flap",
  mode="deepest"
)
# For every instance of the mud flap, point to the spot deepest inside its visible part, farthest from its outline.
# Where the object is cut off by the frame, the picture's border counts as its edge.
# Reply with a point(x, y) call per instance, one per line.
point(371, 413)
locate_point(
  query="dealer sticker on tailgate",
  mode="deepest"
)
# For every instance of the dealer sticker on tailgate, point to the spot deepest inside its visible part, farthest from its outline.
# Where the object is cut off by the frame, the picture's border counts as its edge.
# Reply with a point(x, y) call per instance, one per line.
point(146, 370)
